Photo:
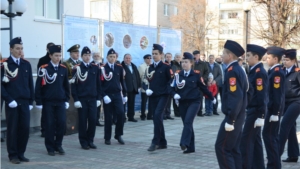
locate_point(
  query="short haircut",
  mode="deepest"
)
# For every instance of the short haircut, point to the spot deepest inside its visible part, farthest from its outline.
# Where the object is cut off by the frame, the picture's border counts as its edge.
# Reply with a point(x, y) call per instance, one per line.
point(211, 56)
point(240, 59)
point(126, 54)
point(254, 53)
point(168, 54)
point(177, 54)
point(229, 52)
point(276, 56)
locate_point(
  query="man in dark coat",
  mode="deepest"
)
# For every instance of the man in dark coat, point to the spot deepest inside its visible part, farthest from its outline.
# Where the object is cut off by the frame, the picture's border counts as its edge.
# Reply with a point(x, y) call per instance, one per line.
point(133, 83)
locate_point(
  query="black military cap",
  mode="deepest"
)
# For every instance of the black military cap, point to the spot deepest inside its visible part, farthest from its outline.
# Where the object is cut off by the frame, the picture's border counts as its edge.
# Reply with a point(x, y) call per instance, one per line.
point(196, 52)
point(85, 50)
point(74, 48)
point(261, 51)
point(275, 50)
point(187, 55)
point(148, 55)
point(16, 40)
point(111, 51)
point(54, 49)
point(158, 47)
point(291, 54)
point(234, 47)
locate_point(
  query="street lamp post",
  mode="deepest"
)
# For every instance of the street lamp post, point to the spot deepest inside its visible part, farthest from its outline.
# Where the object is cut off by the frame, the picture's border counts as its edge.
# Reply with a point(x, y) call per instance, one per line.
point(247, 7)
point(15, 8)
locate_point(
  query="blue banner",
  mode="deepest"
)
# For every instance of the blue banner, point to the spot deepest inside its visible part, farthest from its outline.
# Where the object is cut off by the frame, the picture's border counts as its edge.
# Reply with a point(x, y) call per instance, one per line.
point(127, 38)
point(170, 39)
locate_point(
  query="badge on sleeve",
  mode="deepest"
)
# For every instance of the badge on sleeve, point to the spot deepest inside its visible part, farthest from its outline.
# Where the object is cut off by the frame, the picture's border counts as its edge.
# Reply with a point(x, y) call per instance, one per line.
point(232, 83)
point(276, 82)
point(259, 83)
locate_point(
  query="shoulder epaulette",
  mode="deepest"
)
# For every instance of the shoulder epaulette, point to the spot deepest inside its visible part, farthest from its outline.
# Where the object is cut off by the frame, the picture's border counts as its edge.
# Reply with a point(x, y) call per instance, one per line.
point(63, 65)
point(24, 59)
point(197, 71)
point(229, 69)
point(277, 69)
point(177, 71)
point(3, 60)
point(257, 70)
point(45, 65)
point(297, 69)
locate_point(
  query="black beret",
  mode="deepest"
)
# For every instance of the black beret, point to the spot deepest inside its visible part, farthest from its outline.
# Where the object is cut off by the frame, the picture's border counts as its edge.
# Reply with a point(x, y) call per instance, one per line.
point(111, 51)
point(261, 51)
point(196, 52)
point(16, 40)
point(85, 50)
point(148, 55)
point(234, 47)
point(158, 47)
point(275, 50)
point(187, 55)
point(291, 53)
point(74, 48)
point(54, 49)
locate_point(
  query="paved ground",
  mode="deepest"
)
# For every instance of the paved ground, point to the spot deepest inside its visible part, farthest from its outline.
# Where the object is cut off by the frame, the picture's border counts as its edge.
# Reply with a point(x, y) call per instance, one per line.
point(132, 155)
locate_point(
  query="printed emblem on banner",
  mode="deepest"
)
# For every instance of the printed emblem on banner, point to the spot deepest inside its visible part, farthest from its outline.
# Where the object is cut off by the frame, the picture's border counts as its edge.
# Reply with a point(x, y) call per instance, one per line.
point(259, 83)
point(232, 82)
point(276, 82)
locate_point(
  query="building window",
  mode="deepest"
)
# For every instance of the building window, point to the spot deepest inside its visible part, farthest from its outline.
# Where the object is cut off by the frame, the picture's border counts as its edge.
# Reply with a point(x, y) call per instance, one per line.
point(166, 6)
point(175, 10)
point(232, 15)
point(230, 31)
point(49, 9)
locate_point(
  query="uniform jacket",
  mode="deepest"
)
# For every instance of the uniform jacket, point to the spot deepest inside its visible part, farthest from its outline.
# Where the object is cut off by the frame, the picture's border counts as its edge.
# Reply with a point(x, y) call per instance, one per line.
point(258, 89)
point(203, 68)
point(58, 91)
point(70, 64)
point(292, 85)
point(159, 83)
point(20, 87)
point(276, 90)
point(176, 66)
point(43, 60)
point(89, 88)
point(132, 80)
point(116, 84)
point(190, 91)
point(234, 96)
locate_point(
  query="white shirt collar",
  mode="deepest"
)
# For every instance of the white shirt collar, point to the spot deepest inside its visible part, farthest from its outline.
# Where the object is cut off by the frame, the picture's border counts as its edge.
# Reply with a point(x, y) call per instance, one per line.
point(188, 72)
point(289, 69)
point(231, 63)
point(156, 63)
point(53, 64)
point(254, 65)
point(274, 66)
point(15, 59)
point(74, 60)
point(86, 64)
point(109, 64)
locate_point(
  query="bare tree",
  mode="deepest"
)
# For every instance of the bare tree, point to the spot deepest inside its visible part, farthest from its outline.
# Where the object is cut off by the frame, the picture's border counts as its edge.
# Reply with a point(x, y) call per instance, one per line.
point(277, 22)
point(127, 11)
point(195, 22)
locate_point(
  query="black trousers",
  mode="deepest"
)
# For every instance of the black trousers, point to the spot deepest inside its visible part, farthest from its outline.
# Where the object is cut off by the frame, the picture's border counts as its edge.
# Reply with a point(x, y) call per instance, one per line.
point(144, 98)
point(176, 109)
point(201, 105)
point(215, 106)
point(115, 108)
point(18, 123)
point(167, 112)
point(130, 105)
point(98, 112)
point(42, 121)
point(55, 124)
point(87, 118)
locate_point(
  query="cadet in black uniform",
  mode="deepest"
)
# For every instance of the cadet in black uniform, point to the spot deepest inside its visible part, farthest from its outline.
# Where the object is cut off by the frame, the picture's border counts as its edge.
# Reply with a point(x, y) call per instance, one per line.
point(52, 93)
point(159, 76)
point(275, 106)
point(185, 88)
point(292, 107)
point(251, 143)
point(44, 60)
point(86, 90)
point(112, 84)
point(233, 106)
point(18, 93)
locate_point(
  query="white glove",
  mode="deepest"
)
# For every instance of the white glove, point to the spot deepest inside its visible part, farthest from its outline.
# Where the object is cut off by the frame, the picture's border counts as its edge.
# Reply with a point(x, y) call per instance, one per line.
point(176, 96)
point(229, 127)
point(139, 90)
point(106, 99)
point(66, 105)
point(214, 101)
point(30, 107)
point(177, 102)
point(149, 92)
point(39, 106)
point(77, 104)
point(259, 122)
point(98, 103)
point(13, 104)
point(125, 99)
point(274, 118)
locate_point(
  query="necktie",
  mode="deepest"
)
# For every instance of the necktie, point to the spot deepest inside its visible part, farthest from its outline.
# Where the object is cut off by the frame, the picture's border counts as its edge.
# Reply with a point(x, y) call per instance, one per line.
point(155, 65)
point(87, 65)
point(17, 61)
point(186, 74)
point(55, 67)
point(112, 67)
point(287, 72)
